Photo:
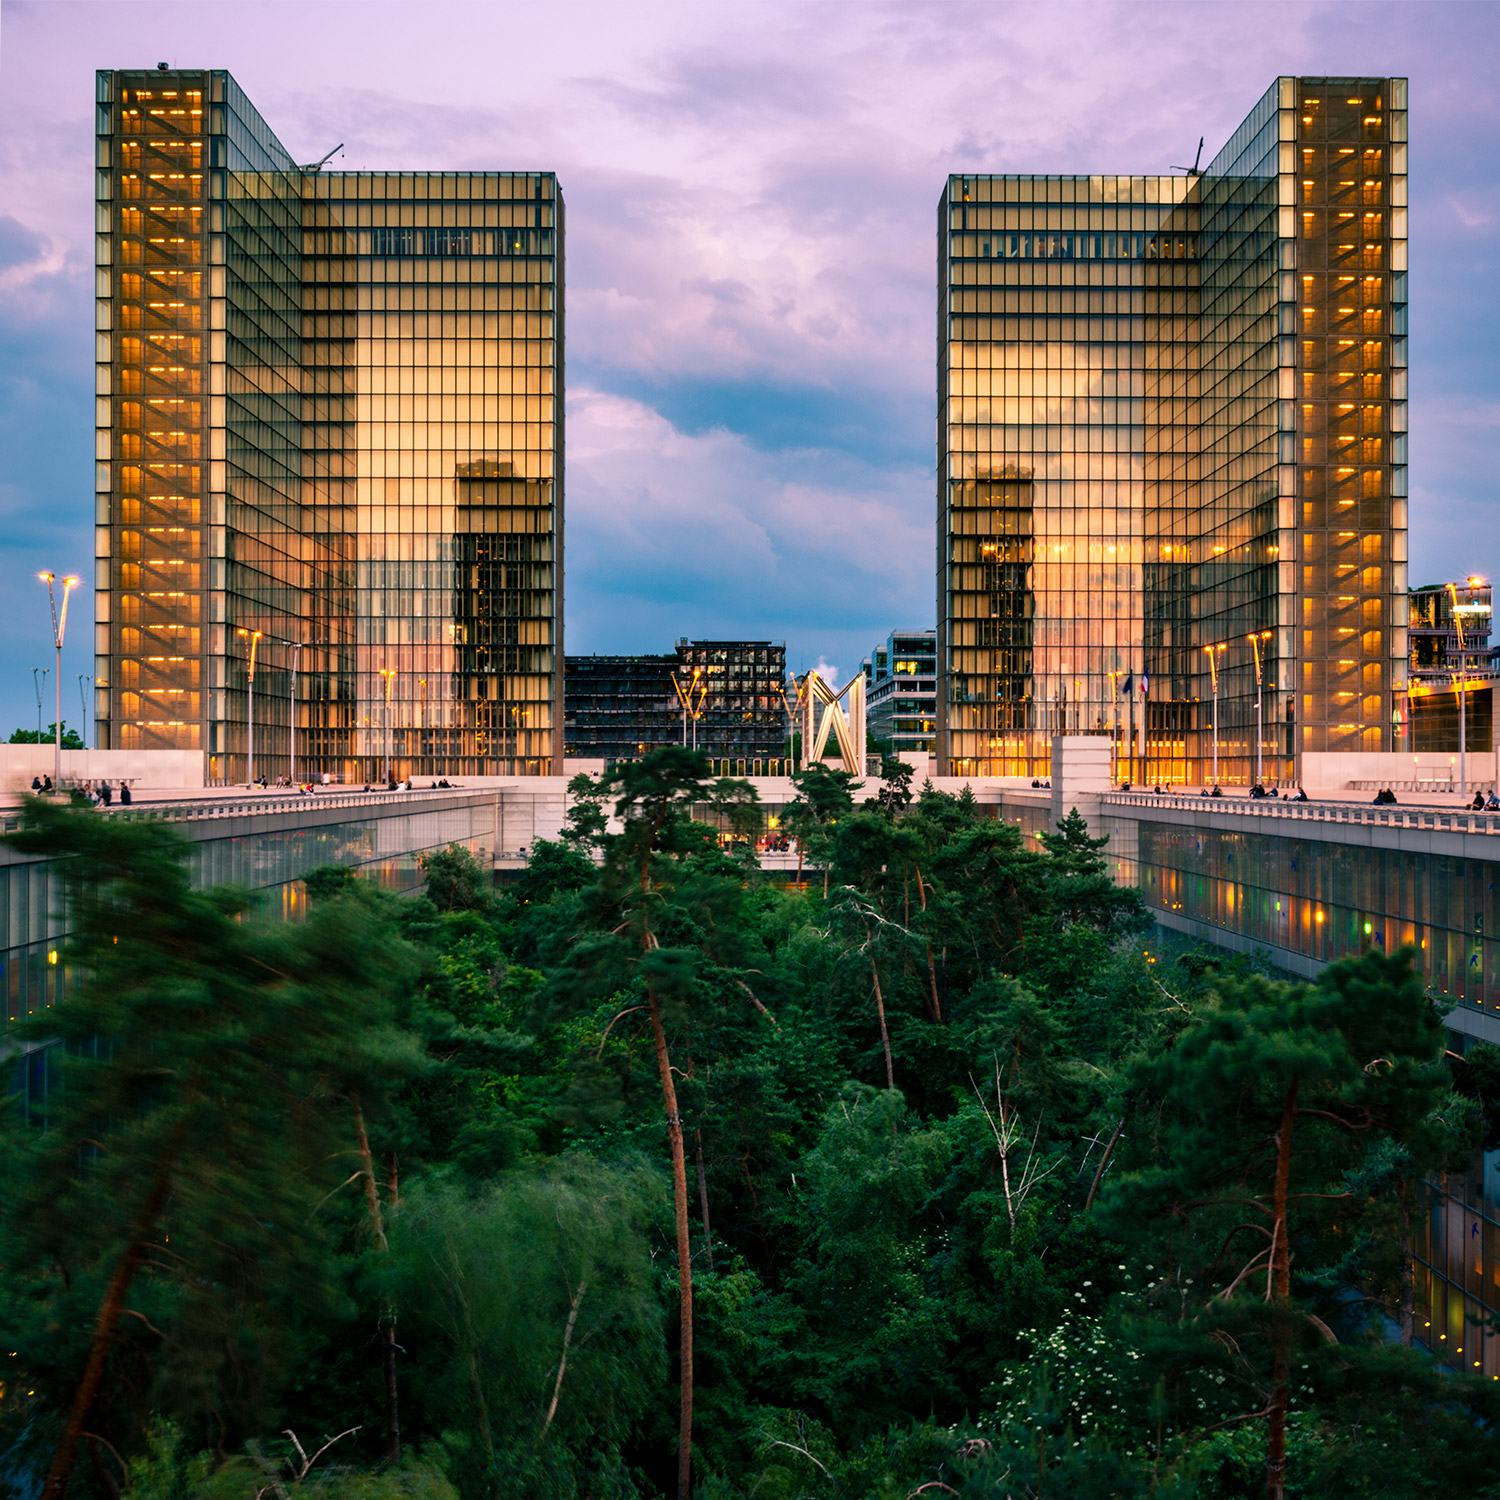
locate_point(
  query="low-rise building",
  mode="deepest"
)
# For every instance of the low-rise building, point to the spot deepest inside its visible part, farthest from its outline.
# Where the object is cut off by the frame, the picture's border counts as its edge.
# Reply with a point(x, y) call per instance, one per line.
point(901, 692)
point(623, 707)
point(619, 707)
point(1448, 640)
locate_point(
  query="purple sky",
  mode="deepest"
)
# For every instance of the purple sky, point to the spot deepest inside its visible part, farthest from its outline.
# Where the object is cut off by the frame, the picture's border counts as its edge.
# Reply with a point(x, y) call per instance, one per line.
point(751, 193)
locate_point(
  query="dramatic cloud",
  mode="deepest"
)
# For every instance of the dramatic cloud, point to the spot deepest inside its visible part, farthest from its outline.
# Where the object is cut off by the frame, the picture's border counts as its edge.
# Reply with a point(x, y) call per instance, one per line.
point(706, 536)
point(751, 190)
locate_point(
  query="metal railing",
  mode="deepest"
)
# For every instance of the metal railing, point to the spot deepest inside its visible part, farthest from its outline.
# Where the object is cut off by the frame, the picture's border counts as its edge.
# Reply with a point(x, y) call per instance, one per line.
point(1457, 820)
point(192, 809)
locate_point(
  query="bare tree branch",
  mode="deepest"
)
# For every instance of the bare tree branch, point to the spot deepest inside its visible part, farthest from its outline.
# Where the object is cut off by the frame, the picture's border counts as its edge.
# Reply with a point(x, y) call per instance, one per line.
point(130, 1312)
point(777, 1443)
point(562, 1364)
point(352, 1177)
point(603, 1039)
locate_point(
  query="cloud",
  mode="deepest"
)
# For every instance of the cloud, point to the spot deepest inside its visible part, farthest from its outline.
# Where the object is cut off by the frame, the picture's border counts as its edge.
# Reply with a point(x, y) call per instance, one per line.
point(751, 191)
point(672, 533)
point(1470, 215)
point(828, 672)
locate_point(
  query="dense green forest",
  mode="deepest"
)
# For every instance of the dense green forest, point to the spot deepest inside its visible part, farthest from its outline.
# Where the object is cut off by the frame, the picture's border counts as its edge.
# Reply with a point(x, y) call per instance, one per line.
point(646, 1176)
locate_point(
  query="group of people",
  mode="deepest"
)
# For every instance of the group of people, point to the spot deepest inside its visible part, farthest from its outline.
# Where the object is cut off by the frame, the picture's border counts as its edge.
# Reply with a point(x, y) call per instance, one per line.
point(95, 793)
point(1257, 791)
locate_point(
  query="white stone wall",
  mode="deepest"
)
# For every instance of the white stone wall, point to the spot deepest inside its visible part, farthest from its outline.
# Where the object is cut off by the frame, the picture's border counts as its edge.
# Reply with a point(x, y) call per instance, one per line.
point(146, 770)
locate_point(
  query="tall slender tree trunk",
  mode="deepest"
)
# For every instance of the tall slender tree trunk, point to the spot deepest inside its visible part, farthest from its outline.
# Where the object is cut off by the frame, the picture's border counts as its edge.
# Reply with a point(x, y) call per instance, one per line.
point(1103, 1163)
point(60, 1471)
point(885, 1036)
point(934, 1006)
point(684, 1243)
point(367, 1162)
point(378, 1238)
point(1280, 1294)
point(679, 1192)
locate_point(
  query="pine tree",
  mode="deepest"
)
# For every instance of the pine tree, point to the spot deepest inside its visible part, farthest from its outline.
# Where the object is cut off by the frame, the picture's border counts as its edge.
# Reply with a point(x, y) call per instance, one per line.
point(204, 1113)
point(644, 911)
point(1268, 1116)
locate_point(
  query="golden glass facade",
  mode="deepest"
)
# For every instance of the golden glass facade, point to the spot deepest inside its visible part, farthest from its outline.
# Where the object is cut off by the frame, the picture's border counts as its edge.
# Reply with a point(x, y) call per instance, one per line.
point(1041, 460)
point(330, 430)
point(1172, 452)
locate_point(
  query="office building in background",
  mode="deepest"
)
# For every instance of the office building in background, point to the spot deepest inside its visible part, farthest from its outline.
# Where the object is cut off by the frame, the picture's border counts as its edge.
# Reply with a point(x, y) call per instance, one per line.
point(619, 707)
point(1172, 451)
point(726, 697)
point(330, 450)
point(901, 691)
point(1451, 655)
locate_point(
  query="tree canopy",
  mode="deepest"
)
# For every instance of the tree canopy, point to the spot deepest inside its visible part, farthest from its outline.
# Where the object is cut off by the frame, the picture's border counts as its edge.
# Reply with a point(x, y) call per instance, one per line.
point(646, 1174)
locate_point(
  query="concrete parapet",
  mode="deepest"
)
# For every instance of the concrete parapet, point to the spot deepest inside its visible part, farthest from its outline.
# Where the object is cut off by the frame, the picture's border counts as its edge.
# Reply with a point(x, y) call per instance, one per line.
point(1427, 770)
point(145, 769)
point(1081, 766)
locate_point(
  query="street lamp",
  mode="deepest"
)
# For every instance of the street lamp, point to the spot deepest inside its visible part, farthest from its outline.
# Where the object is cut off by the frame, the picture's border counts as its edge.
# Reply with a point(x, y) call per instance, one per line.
point(689, 708)
point(254, 637)
point(59, 625)
point(389, 673)
point(1460, 686)
point(1255, 639)
point(1214, 652)
point(296, 656)
point(39, 677)
point(83, 703)
point(1461, 683)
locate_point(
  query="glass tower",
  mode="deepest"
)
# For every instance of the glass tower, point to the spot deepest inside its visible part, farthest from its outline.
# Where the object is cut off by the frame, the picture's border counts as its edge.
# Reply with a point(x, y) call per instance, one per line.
point(330, 450)
point(1171, 502)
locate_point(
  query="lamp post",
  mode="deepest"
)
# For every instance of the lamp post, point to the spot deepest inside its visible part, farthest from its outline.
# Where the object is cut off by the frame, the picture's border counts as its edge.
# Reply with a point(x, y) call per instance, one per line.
point(689, 709)
point(39, 682)
point(1114, 727)
point(1214, 652)
point(1255, 639)
point(296, 657)
point(59, 625)
point(83, 703)
point(254, 638)
point(389, 673)
point(1460, 683)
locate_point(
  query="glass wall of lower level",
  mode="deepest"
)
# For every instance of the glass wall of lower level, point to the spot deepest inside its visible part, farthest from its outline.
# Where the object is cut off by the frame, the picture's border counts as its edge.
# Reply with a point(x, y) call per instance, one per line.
point(33, 927)
point(1326, 900)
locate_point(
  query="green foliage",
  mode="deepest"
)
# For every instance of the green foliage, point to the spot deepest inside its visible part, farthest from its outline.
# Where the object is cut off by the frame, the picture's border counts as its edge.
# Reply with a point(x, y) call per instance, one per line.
point(289, 1466)
point(533, 1322)
point(71, 739)
point(895, 792)
point(1017, 1272)
point(456, 881)
point(205, 1112)
point(1477, 1077)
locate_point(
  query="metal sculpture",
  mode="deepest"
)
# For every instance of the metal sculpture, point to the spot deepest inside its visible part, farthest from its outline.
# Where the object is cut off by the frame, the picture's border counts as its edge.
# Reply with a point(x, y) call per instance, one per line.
point(847, 726)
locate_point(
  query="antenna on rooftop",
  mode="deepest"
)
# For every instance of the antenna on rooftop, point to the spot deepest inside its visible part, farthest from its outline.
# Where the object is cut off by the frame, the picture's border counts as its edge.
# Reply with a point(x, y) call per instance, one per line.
point(1193, 171)
point(318, 166)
